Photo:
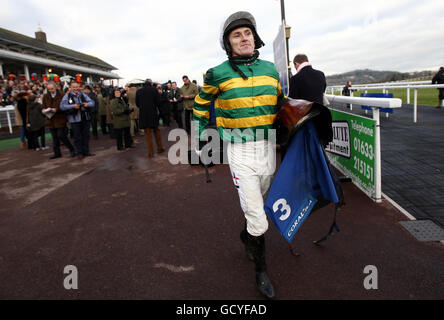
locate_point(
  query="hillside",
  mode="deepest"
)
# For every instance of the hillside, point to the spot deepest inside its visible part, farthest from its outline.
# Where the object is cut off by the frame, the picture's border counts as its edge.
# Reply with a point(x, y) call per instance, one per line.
point(372, 76)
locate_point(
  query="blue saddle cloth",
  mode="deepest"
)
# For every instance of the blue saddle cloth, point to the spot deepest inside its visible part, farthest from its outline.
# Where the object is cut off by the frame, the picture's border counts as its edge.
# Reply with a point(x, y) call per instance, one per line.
point(303, 181)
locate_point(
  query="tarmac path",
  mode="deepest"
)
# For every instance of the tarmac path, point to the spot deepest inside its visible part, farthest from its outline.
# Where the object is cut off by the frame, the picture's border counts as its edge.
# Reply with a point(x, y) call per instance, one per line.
point(139, 228)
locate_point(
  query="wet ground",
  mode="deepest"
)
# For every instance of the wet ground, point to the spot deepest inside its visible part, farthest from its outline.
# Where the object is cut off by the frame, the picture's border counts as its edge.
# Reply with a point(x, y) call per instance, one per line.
point(140, 228)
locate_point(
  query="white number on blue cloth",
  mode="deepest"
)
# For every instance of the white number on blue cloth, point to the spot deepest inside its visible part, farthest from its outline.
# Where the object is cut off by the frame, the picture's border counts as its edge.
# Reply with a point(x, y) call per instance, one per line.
point(284, 208)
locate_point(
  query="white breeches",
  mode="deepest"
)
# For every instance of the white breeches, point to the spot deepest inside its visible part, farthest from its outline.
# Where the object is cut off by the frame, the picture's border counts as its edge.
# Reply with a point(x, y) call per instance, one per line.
point(252, 166)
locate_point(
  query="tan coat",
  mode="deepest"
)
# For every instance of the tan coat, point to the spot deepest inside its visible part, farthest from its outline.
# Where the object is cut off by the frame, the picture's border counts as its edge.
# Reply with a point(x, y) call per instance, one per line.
point(109, 117)
point(131, 94)
point(102, 104)
point(190, 90)
point(18, 117)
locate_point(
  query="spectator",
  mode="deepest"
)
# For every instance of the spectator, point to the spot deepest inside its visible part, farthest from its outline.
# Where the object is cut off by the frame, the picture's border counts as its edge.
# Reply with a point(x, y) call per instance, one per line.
point(198, 86)
point(102, 112)
point(188, 92)
point(76, 104)
point(310, 84)
point(168, 95)
point(134, 116)
point(6, 98)
point(56, 120)
point(109, 118)
point(121, 120)
point(346, 90)
point(164, 106)
point(176, 103)
point(36, 123)
point(21, 117)
point(148, 101)
point(93, 110)
point(439, 79)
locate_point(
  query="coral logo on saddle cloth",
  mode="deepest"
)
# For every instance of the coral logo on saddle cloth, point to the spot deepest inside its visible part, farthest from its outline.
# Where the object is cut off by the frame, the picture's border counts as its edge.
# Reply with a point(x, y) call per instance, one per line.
point(290, 221)
point(299, 218)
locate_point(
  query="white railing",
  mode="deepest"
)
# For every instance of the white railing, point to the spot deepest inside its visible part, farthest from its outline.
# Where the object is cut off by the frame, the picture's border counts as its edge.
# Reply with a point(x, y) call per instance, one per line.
point(375, 104)
point(384, 89)
point(395, 83)
point(372, 85)
point(8, 116)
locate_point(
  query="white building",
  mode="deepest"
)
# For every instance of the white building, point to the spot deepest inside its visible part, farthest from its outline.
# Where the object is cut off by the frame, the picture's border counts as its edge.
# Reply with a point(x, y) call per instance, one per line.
point(22, 56)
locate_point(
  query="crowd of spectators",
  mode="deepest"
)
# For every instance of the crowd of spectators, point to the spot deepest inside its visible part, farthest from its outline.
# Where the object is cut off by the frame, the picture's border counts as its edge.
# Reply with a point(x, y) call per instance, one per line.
point(76, 111)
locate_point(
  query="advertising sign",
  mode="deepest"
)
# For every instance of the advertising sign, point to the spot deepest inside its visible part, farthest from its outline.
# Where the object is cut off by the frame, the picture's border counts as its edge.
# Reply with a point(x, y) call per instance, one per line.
point(352, 150)
point(280, 59)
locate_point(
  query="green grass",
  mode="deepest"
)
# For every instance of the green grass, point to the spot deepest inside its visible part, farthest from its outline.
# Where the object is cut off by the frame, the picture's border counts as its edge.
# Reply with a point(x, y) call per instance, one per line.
point(15, 142)
point(426, 97)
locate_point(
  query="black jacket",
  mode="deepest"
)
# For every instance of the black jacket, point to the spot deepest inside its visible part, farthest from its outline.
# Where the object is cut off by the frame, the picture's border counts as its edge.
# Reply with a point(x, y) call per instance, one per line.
point(438, 78)
point(310, 84)
point(176, 94)
point(148, 102)
point(346, 91)
point(164, 101)
point(94, 98)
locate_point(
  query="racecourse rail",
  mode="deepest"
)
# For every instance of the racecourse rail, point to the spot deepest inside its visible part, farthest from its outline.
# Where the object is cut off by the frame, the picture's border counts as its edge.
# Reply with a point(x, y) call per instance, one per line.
point(7, 109)
point(400, 85)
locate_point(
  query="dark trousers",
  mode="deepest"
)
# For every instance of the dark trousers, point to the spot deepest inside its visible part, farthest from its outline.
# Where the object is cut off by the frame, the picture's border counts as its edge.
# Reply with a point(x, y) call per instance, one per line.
point(60, 134)
point(34, 135)
point(94, 123)
point(30, 137)
point(112, 134)
point(165, 115)
point(103, 124)
point(177, 116)
point(123, 135)
point(188, 117)
point(81, 137)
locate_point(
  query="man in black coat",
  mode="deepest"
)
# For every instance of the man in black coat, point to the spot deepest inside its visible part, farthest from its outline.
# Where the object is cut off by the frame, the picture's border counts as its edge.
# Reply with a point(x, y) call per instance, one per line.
point(176, 103)
point(94, 111)
point(439, 79)
point(310, 84)
point(148, 102)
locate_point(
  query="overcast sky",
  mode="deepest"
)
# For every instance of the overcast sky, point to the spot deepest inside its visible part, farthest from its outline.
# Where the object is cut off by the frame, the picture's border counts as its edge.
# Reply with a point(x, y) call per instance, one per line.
point(165, 39)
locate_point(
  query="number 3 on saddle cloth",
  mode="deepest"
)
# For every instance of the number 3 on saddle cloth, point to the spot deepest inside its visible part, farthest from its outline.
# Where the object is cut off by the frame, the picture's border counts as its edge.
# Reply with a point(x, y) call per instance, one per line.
point(305, 180)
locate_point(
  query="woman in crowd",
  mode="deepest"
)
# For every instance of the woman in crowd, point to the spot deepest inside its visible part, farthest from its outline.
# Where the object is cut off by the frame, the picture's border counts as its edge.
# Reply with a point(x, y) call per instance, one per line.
point(21, 118)
point(102, 111)
point(36, 123)
point(164, 106)
point(121, 120)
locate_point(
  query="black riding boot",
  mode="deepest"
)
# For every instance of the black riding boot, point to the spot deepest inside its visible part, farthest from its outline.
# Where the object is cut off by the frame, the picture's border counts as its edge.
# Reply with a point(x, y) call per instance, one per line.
point(256, 246)
point(243, 237)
